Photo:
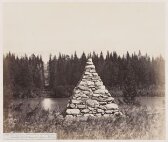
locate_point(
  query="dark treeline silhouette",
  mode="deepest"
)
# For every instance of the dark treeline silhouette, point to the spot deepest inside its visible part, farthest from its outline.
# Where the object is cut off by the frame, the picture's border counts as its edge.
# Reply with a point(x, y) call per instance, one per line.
point(22, 76)
point(65, 71)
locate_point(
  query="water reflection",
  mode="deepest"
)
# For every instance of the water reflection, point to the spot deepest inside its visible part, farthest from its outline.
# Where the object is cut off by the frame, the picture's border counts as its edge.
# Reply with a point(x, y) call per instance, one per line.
point(47, 104)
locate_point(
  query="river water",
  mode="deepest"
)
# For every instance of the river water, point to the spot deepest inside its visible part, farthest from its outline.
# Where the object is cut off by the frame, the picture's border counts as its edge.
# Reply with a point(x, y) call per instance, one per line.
point(59, 104)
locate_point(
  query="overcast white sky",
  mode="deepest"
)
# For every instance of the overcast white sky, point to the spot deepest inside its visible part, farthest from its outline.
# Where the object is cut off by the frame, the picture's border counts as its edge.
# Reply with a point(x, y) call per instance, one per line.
point(44, 28)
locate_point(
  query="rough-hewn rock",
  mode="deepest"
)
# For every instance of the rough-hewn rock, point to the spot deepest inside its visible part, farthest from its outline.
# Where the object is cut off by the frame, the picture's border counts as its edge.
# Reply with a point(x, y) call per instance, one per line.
point(110, 99)
point(85, 110)
point(90, 66)
point(109, 111)
point(92, 103)
point(83, 88)
point(72, 105)
point(81, 106)
point(76, 101)
point(112, 106)
point(98, 115)
point(99, 91)
point(86, 115)
point(106, 115)
point(100, 110)
point(73, 111)
point(69, 117)
point(96, 95)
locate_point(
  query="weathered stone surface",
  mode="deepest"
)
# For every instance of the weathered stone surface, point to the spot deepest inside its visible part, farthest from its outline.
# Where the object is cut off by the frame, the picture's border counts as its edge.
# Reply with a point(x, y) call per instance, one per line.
point(83, 96)
point(93, 71)
point(100, 110)
point(72, 106)
point(73, 111)
point(104, 96)
point(90, 108)
point(81, 106)
point(102, 107)
point(83, 88)
point(110, 99)
point(68, 105)
point(69, 117)
point(90, 83)
point(93, 88)
point(86, 115)
point(76, 91)
point(90, 66)
point(89, 63)
point(89, 60)
point(94, 111)
point(102, 103)
point(118, 113)
point(106, 115)
point(87, 73)
point(95, 74)
point(82, 118)
point(87, 91)
point(99, 91)
point(85, 110)
point(98, 83)
point(96, 95)
point(112, 106)
point(76, 101)
point(78, 98)
point(98, 115)
point(102, 87)
point(106, 91)
point(92, 103)
point(109, 111)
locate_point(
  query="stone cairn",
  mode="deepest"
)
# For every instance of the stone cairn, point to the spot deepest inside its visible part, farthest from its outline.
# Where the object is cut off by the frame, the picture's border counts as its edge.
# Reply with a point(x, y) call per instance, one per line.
point(90, 97)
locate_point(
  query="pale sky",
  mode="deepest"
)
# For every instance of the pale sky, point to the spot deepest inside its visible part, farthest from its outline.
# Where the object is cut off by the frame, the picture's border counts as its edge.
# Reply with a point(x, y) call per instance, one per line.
point(44, 28)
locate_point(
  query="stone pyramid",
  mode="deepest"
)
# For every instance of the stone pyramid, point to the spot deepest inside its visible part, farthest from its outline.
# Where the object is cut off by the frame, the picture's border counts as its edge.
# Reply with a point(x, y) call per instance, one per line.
point(90, 97)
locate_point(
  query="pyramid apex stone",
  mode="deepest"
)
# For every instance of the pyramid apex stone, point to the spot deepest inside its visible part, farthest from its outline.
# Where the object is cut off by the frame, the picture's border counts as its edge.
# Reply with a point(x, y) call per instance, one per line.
point(89, 59)
point(89, 62)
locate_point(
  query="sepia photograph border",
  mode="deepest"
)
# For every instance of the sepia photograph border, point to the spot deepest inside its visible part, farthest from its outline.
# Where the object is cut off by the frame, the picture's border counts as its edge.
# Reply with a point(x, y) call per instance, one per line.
point(81, 1)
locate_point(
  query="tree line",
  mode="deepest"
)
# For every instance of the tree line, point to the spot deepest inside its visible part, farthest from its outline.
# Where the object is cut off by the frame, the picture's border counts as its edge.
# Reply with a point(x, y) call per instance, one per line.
point(22, 76)
point(26, 74)
point(66, 70)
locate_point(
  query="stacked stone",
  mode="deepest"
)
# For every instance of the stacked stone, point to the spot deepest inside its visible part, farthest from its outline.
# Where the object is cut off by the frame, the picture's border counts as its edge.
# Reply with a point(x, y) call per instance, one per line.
point(90, 96)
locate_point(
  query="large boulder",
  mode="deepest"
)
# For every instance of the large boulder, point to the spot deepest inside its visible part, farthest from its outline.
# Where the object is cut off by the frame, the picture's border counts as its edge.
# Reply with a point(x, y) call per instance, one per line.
point(85, 110)
point(88, 73)
point(84, 88)
point(111, 106)
point(81, 106)
point(90, 66)
point(100, 110)
point(92, 103)
point(89, 83)
point(87, 115)
point(96, 95)
point(110, 99)
point(73, 111)
point(76, 101)
point(99, 91)
point(72, 105)
point(98, 83)
point(109, 111)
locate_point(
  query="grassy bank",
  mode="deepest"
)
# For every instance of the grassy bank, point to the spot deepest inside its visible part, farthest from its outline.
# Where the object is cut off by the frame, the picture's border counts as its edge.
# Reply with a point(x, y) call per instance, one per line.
point(137, 122)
